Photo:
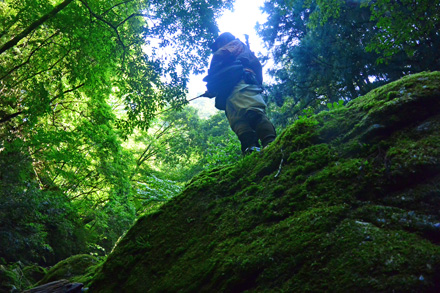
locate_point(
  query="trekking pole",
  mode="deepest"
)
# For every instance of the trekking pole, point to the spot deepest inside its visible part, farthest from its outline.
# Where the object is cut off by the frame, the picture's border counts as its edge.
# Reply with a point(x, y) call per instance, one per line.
point(205, 94)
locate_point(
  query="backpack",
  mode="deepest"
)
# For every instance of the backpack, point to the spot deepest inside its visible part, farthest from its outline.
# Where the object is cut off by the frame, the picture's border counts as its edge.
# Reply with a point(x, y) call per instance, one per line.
point(222, 82)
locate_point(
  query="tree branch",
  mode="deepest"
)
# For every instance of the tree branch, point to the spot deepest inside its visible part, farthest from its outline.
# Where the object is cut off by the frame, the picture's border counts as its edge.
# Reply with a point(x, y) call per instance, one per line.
point(29, 57)
point(10, 117)
point(41, 71)
point(131, 16)
point(68, 91)
point(34, 26)
point(116, 5)
point(99, 17)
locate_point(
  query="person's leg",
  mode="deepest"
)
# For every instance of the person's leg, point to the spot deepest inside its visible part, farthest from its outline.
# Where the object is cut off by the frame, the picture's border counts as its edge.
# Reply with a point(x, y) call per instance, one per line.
point(247, 136)
point(245, 112)
point(265, 131)
point(249, 142)
point(263, 128)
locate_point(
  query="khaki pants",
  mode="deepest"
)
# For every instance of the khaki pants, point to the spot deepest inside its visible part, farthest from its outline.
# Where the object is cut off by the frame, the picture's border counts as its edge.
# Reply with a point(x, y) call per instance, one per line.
point(246, 112)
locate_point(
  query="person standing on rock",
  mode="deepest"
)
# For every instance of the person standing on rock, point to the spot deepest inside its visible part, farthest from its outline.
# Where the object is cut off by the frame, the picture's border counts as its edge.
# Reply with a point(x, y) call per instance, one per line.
point(235, 80)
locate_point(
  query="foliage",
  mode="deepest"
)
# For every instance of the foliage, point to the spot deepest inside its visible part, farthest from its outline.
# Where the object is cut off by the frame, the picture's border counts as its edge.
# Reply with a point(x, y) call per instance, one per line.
point(400, 25)
point(76, 78)
point(94, 46)
point(217, 143)
point(36, 225)
point(180, 144)
point(405, 25)
point(335, 105)
point(152, 193)
point(17, 276)
point(176, 147)
point(327, 51)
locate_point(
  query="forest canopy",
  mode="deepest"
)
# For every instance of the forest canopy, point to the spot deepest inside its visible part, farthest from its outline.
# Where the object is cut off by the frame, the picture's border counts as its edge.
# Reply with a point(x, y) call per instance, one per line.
point(78, 78)
point(94, 127)
point(330, 51)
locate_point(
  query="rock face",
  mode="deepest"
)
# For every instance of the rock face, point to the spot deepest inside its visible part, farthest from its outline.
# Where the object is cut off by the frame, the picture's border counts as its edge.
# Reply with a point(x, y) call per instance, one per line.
point(344, 201)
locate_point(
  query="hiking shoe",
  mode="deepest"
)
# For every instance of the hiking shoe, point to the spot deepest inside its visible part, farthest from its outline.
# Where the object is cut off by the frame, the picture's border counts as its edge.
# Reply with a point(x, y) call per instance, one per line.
point(251, 150)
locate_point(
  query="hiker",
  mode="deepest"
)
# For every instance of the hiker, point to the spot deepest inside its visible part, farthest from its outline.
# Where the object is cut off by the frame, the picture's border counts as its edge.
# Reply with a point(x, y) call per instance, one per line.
point(235, 79)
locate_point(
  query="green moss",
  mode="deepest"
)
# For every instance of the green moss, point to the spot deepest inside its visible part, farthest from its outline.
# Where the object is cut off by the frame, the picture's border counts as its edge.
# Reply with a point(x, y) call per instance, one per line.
point(9, 278)
point(77, 268)
point(16, 276)
point(34, 273)
point(375, 259)
point(344, 201)
point(301, 134)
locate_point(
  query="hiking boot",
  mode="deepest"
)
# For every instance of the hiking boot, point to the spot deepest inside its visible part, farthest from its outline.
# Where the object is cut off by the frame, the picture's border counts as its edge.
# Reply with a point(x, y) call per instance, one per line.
point(248, 141)
point(251, 150)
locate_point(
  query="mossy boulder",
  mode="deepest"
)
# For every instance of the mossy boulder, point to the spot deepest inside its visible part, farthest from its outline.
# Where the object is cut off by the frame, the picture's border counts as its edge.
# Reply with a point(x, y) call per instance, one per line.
point(15, 277)
point(77, 268)
point(34, 273)
point(9, 278)
point(347, 200)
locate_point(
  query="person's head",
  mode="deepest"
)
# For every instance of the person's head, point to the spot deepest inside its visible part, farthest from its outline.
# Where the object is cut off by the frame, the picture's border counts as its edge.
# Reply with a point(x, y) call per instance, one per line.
point(222, 40)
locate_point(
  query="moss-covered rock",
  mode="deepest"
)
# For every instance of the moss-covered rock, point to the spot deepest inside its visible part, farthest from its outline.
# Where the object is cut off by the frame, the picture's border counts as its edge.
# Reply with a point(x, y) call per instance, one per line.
point(77, 268)
point(9, 278)
point(34, 274)
point(15, 277)
point(347, 200)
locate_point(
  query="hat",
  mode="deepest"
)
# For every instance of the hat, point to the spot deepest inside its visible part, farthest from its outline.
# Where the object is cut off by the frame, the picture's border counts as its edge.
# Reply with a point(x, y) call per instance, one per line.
point(222, 40)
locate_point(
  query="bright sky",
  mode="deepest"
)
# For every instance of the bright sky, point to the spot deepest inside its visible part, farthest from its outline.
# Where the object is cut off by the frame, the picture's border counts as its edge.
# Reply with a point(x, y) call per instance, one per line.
point(240, 21)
